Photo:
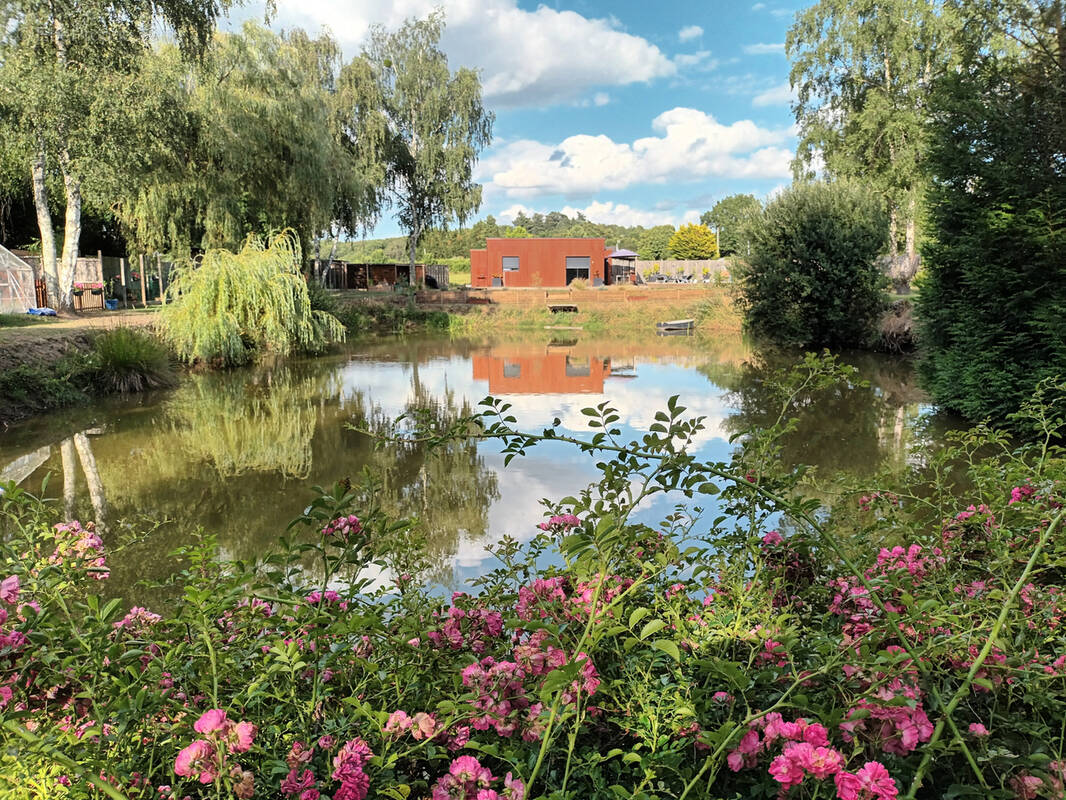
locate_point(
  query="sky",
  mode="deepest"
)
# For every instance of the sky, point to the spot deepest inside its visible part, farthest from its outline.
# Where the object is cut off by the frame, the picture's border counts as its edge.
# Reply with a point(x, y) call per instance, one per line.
point(632, 112)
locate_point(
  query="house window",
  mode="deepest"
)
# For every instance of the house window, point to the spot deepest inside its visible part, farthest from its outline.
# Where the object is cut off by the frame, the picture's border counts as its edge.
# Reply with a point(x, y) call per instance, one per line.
point(578, 367)
point(512, 369)
point(510, 263)
point(577, 267)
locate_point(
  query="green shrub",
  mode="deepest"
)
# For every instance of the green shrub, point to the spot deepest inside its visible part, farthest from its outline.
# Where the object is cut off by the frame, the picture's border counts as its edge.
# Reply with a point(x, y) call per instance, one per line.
point(30, 389)
point(128, 360)
point(390, 318)
point(231, 305)
point(811, 279)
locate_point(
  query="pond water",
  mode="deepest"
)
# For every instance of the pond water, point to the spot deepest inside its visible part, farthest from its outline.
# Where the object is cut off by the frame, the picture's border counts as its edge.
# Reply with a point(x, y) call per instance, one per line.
point(235, 453)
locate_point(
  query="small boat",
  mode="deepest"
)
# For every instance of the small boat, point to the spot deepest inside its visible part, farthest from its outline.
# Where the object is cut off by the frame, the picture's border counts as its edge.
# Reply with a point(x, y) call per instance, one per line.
point(676, 325)
point(675, 332)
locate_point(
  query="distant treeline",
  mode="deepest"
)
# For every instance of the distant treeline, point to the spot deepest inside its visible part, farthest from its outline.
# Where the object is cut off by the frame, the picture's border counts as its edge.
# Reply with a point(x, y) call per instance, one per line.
point(651, 243)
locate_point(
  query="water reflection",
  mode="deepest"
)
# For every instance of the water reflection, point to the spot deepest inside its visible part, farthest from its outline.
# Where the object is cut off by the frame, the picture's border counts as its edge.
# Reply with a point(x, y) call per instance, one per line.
point(854, 428)
point(235, 453)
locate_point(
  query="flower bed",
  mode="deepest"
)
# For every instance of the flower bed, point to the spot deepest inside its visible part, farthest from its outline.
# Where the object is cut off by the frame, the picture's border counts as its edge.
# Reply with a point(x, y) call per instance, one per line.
point(905, 641)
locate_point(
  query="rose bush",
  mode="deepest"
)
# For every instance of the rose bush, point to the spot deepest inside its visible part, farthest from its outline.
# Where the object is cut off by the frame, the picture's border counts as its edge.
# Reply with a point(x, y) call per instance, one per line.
point(902, 639)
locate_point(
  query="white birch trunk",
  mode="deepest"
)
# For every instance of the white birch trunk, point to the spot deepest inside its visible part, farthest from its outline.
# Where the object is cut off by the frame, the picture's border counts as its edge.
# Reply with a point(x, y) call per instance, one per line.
point(92, 479)
point(70, 476)
point(44, 224)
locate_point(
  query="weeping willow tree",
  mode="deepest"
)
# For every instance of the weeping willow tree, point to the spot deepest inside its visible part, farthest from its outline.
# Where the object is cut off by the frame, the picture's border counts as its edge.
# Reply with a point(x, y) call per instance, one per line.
point(258, 136)
point(227, 307)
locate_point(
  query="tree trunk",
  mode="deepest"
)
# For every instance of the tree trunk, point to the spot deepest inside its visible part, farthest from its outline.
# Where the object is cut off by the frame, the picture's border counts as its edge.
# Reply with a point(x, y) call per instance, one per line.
point(70, 476)
point(415, 232)
point(92, 478)
point(71, 231)
point(893, 230)
point(412, 248)
point(44, 224)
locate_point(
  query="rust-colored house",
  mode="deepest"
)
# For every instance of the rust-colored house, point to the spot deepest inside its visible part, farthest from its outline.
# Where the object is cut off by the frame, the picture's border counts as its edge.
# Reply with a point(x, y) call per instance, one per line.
point(541, 373)
point(539, 262)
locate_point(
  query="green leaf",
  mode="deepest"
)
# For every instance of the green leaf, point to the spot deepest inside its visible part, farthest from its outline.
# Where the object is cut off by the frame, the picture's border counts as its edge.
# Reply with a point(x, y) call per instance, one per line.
point(654, 626)
point(669, 647)
point(637, 615)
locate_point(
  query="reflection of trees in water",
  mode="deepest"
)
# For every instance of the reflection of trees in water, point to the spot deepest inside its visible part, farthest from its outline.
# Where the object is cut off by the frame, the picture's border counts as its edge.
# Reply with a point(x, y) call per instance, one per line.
point(237, 452)
point(448, 489)
point(264, 423)
point(848, 428)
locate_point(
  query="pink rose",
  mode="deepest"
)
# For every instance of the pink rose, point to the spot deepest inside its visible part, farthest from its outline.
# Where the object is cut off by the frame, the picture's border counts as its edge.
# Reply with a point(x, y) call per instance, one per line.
point(197, 761)
point(211, 721)
point(241, 737)
point(9, 590)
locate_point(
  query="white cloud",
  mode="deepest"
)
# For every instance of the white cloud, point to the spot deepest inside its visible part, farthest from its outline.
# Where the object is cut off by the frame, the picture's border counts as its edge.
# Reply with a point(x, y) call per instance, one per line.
point(780, 95)
point(691, 145)
point(758, 7)
point(690, 32)
point(610, 213)
point(601, 99)
point(700, 57)
point(527, 58)
point(763, 48)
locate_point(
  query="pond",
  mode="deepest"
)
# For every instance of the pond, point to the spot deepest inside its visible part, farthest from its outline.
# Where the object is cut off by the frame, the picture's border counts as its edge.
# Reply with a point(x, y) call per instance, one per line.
point(236, 453)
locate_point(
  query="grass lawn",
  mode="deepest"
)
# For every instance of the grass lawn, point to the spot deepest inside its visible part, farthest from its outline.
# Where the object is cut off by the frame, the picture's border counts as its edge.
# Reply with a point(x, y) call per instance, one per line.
point(457, 278)
point(22, 320)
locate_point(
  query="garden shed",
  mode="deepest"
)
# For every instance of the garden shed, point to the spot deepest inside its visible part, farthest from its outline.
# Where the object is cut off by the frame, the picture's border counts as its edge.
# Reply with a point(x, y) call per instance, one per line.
point(17, 292)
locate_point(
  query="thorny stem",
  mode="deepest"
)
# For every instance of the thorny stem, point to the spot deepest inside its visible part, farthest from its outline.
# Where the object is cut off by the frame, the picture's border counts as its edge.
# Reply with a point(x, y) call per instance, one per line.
point(990, 642)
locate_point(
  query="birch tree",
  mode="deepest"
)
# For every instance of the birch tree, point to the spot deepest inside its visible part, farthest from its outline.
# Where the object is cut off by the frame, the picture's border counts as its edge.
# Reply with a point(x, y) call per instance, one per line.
point(424, 123)
point(64, 65)
point(861, 70)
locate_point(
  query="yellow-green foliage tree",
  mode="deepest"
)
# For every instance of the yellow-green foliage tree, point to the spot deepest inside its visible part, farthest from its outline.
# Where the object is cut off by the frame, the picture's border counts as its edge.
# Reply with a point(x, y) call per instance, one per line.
point(231, 305)
point(692, 242)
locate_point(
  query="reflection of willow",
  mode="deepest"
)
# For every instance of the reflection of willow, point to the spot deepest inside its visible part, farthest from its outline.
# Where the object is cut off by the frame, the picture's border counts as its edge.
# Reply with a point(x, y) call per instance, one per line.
point(848, 428)
point(263, 424)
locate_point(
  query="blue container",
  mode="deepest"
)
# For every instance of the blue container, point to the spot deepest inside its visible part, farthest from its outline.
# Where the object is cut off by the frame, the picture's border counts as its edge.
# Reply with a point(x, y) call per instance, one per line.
point(111, 305)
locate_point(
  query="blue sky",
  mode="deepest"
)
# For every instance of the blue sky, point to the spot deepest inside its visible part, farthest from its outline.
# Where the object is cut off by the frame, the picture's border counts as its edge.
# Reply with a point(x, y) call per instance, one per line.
point(633, 112)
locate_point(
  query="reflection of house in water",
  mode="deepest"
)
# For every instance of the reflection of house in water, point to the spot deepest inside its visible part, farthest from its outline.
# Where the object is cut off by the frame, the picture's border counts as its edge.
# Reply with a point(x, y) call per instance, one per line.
point(551, 372)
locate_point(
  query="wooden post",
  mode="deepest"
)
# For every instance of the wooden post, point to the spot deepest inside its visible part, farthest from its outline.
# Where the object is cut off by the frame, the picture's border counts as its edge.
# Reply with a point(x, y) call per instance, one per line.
point(159, 270)
point(144, 280)
point(122, 274)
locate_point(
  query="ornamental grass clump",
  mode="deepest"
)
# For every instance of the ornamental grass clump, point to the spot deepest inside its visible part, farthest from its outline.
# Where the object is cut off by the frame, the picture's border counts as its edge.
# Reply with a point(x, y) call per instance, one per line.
point(127, 360)
point(903, 638)
point(229, 306)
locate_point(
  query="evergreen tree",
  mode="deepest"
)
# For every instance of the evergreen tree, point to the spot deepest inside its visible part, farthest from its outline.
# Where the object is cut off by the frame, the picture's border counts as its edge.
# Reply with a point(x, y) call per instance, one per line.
point(992, 306)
